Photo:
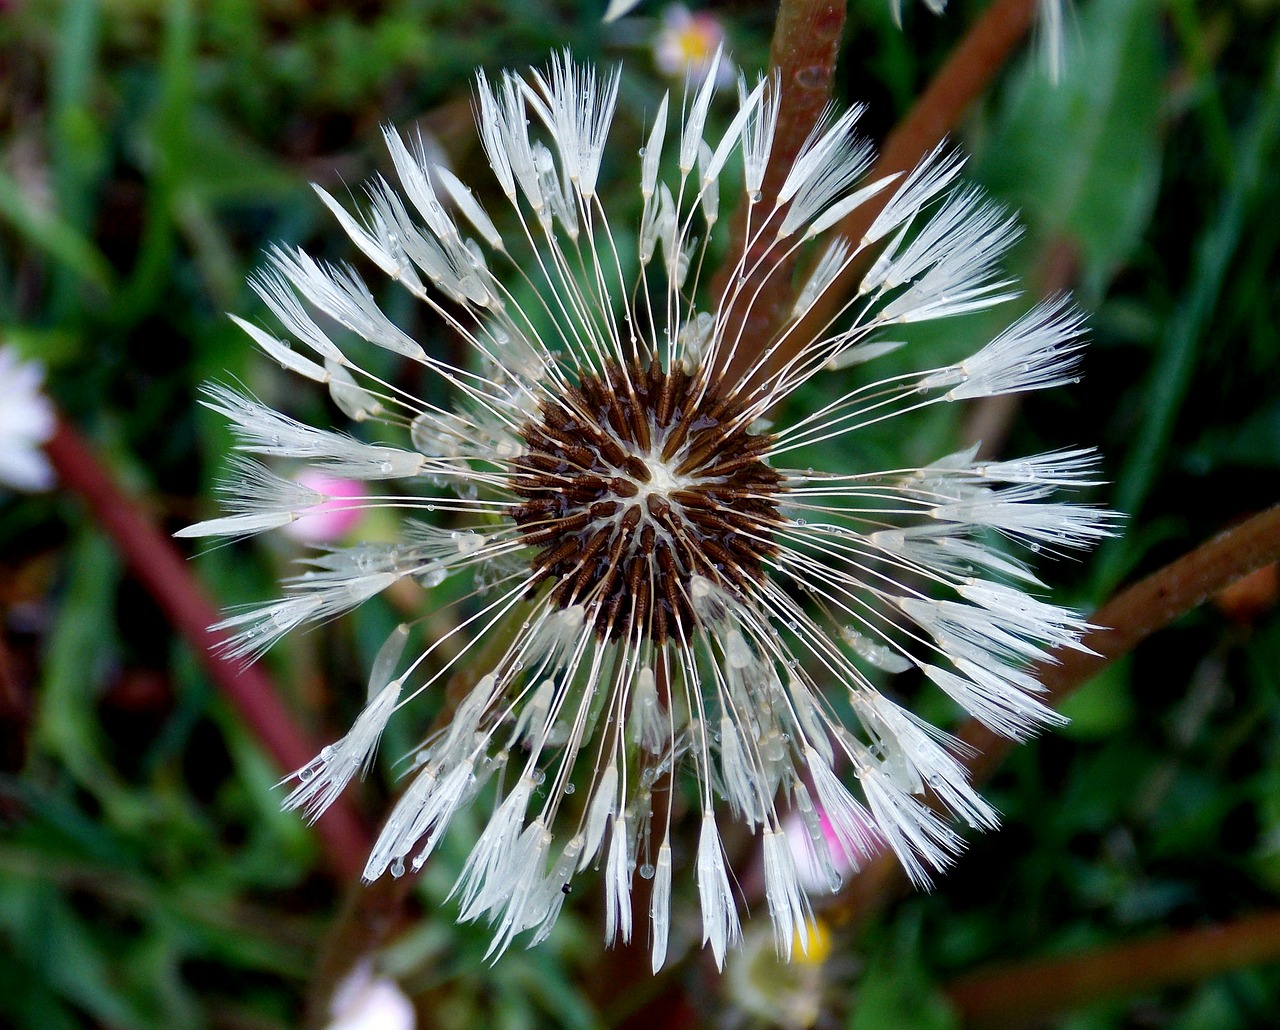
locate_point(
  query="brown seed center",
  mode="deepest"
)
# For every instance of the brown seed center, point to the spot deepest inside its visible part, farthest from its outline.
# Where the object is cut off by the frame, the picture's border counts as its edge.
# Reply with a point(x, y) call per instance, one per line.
point(634, 483)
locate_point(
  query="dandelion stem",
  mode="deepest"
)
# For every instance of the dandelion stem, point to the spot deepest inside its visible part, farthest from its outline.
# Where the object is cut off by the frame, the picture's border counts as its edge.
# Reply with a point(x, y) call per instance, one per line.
point(962, 78)
point(158, 566)
point(1124, 622)
point(1033, 990)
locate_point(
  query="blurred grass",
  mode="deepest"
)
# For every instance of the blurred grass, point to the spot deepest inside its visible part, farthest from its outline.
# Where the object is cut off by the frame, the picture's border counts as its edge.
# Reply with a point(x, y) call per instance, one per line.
point(149, 151)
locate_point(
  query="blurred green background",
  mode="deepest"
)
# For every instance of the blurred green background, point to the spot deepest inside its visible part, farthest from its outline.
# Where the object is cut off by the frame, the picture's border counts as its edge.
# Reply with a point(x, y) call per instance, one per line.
point(149, 151)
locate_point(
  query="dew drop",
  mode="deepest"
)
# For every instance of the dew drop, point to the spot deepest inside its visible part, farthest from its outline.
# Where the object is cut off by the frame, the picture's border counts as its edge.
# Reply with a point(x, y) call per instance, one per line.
point(813, 77)
point(569, 788)
point(646, 871)
point(433, 574)
point(397, 868)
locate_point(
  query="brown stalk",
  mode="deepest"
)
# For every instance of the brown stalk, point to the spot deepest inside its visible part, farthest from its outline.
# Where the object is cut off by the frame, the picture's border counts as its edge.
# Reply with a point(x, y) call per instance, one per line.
point(1122, 623)
point(155, 562)
point(967, 72)
point(806, 43)
point(1033, 990)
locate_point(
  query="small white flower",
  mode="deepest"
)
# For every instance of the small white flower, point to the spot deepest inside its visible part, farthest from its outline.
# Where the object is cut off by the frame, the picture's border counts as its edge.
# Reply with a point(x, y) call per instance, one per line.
point(26, 423)
point(686, 44)
point(366, 1001)
point(667, 597)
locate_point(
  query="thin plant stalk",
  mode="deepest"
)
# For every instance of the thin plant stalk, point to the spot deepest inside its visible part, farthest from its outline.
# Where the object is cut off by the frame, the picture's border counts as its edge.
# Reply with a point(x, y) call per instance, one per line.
point(967, 72)
point(802, 60)
point(1121, 624)
point(155, 562)
point(1033, 990)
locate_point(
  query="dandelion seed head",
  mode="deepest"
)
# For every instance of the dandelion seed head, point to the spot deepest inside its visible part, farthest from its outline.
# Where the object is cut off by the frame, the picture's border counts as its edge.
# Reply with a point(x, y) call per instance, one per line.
point(657, 592)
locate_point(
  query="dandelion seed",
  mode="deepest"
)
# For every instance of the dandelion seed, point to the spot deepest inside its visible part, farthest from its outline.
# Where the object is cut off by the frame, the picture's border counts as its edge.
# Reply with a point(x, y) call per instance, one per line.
point(674, 598)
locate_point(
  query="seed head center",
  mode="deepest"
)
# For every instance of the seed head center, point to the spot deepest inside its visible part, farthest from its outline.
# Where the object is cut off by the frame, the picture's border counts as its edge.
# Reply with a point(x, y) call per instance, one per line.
point(634, 483)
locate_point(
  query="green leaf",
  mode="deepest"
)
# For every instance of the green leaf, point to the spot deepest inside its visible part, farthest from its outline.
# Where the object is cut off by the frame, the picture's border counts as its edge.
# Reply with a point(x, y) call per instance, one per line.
point(51, 940)
point(897, 991)
point(66, 721)
point(1254, 442)
point(1102, 707)
point(222, 164)
point(48, 232)
point(1081, 159)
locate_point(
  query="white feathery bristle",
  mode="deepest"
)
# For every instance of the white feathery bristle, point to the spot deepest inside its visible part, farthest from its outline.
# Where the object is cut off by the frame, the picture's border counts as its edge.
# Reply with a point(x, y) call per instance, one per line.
point(1039, 351)
point(660, 906)
point(720, 925)
point(322, 780)
point(788, 903)
point(617, 883)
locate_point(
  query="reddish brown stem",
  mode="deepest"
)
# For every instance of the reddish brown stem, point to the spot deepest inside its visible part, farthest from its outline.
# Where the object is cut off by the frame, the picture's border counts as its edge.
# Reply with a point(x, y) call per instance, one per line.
point(1037, 989)
point(1123, 622)
point(806, 43)
point(157, 565)
point(967, 72)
